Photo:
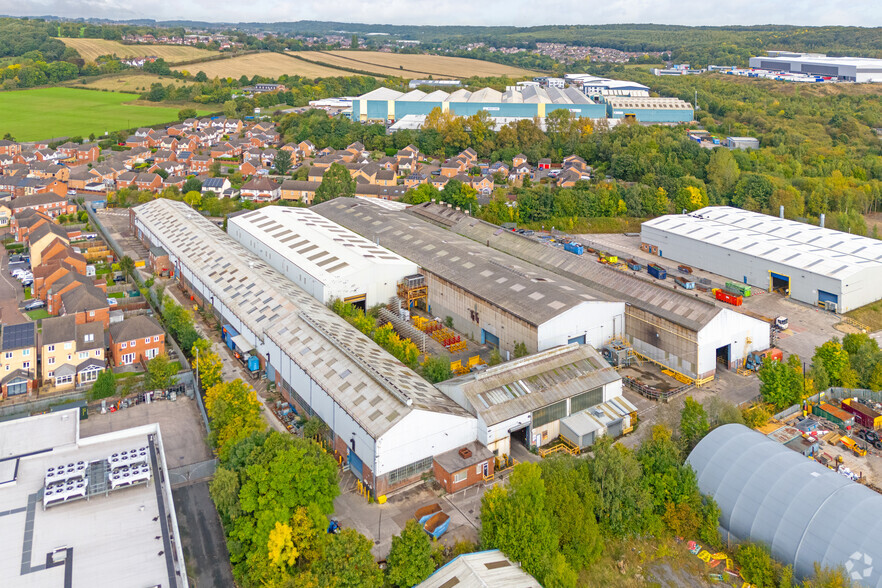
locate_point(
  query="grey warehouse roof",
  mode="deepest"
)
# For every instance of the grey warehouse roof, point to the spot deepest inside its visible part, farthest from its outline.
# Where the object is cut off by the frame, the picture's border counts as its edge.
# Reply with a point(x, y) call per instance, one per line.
point(803, 511)
point(815, 249)
point(530, 383)
point(609, 284)
point(532, 294)
point(372, 386)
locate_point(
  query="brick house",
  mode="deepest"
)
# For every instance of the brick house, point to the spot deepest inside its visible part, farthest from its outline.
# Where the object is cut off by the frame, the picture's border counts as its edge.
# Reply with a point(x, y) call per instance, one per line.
point(70, 354)
point(18, 359)
point(300, 191)
point(137, 339)
point(260, 190)
point(49, 203)
point(463, 467)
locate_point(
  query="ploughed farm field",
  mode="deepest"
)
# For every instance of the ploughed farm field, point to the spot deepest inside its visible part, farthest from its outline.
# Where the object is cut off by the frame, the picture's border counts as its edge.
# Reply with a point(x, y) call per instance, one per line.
point(46, 113)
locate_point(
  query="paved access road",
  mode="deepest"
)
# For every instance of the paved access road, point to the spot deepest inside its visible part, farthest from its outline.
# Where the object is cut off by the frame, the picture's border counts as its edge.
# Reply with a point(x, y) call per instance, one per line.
point(202, 535)
point(11, 294)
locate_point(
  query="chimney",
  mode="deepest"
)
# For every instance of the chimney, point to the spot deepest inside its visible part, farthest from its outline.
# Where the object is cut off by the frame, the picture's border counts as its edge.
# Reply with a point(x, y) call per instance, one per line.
point(822, 220)
point(781, 211)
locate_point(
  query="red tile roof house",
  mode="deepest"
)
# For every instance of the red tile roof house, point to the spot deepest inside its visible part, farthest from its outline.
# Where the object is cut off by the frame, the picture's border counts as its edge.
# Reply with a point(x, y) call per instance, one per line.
point(47, 202)
point(200, 164)
point(260, 190)
point(137, 339)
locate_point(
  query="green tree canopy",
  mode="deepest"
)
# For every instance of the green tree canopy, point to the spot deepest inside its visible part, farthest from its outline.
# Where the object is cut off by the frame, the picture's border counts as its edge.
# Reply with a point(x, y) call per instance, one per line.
point(336, 183)
point(410, 557)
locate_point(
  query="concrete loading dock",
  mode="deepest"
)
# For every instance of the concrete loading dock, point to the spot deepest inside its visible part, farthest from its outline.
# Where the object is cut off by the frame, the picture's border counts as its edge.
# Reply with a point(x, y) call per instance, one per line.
point(838, 271)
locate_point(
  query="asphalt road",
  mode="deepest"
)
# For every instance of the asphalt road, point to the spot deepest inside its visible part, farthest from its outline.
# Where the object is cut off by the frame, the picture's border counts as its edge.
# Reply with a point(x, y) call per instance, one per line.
point(11, 294)
point(205, 548)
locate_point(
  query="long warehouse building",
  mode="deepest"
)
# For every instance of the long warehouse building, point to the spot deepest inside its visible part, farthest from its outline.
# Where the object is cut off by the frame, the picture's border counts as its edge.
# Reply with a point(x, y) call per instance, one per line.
point(321, 257)
point(682, 332)
point(847, 69)
point(491, 296)
point(811, 264)
point(387, 421)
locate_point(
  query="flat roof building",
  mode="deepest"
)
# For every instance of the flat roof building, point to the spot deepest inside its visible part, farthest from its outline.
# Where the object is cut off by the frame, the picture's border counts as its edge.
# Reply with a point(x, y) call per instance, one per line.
point(682, 332)
point(320, 256)
point(849, 69)
point(86, 511)
point(386, 420)
point(524, 400)
point(491, 297)
point(650, 109)
point(811, 264)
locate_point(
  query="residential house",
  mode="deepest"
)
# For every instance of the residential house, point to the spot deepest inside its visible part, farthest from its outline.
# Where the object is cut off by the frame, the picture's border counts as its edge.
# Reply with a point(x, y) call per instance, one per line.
point(24, 222)
point(544, 163)
point(299, 191)
point(9, 147)
point(148, 181)
point(18, 359)
point(42, 238)
point(5, 215)
point(414, 180)
point(215, 185)
point(260, 189)
point(137, 339)
point(518, 160)
point(49, 203)
point(200, 164)
point(70, 354)
point(87, 303)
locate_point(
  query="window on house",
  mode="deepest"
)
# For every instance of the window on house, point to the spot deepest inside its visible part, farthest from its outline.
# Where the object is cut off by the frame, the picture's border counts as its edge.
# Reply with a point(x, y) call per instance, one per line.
point(132, 343)
point(460, 476)
point(68, 346)
point(83, 354)
point(26, 365)
point(91, 313)
point(123, 345)
point(8, 355)
point(25, 352)
point(156, 338)
point(89, 338)
point(97, 353)
point(17, 388)
point(51, 348)
point(51, 374)
point(51, 361)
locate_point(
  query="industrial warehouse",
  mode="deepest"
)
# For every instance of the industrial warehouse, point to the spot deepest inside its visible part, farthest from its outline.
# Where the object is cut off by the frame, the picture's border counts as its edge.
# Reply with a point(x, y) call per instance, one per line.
point(527, 399)
point(321, 257)
point(804, 512)
point(835, 270)
point(386, 420)
point(528, 101)
point(846, 69)
point(678, 331)
point(491, 297)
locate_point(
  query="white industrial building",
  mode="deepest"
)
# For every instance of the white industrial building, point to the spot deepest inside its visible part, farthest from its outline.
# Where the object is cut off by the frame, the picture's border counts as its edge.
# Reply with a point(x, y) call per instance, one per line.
point(491, 297)
point(811, 264)
point(386, 421)
point(320, 256)
point(849, 69)
point(525, 399)
point(596, 86)
point(673, 328)
point(90, 510)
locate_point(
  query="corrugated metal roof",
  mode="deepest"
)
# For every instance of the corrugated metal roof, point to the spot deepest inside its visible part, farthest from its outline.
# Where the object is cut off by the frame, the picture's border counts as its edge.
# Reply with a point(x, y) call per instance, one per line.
point(372, 386)
point(507, 282)
point(604, 282)
point(822, 251)
point(522, 386)
point(324, 249)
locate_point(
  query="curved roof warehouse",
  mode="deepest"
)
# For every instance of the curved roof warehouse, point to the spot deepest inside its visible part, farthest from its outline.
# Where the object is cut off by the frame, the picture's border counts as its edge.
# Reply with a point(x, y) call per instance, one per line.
point(803, 511)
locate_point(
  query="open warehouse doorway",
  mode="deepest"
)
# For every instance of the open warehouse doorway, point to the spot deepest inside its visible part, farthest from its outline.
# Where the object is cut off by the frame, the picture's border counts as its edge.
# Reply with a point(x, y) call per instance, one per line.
point(779, 283)
point(724, 355)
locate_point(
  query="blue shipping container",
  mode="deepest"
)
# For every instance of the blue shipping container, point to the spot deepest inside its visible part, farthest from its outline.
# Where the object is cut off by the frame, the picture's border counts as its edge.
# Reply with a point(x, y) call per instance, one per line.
point(574, 248)
point(657, 271)
point(227, 335)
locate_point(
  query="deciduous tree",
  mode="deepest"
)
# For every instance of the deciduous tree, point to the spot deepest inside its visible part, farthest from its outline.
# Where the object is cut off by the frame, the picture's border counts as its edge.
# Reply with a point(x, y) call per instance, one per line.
point(336, 183)
point(410, 558)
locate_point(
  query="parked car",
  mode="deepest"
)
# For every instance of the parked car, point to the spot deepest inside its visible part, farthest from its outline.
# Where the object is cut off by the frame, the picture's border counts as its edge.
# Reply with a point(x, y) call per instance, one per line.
point(27, 283)
point(34, 305)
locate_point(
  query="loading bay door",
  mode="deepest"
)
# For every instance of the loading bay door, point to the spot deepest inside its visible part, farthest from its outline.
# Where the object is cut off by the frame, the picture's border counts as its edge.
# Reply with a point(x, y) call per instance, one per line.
point(779, 283)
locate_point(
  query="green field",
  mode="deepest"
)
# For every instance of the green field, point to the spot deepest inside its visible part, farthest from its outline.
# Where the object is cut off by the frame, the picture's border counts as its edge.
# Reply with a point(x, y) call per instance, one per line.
point(47, 113)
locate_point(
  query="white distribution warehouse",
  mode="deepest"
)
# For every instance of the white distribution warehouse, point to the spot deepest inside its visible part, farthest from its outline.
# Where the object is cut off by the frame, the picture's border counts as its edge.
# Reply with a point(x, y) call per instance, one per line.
point(320, 256)
point(810, 264)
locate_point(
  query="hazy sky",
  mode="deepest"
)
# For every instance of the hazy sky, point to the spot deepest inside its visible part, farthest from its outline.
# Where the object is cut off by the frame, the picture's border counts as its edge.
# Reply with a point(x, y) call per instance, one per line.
point(488, 12)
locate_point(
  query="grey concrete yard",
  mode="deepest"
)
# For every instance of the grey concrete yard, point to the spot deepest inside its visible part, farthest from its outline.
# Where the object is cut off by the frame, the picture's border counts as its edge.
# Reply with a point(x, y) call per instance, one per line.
point(181, 426)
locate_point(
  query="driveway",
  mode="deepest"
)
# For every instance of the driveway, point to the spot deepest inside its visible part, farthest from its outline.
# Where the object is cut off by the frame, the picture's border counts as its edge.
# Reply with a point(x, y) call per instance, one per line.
point(202, 537)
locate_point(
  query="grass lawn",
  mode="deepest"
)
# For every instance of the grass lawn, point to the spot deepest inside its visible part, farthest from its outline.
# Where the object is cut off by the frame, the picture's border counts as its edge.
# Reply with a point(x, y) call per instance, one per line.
point(47, 113)
point(38, 314)
point(115, 294)
point(27, 293)
point(870, 315)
